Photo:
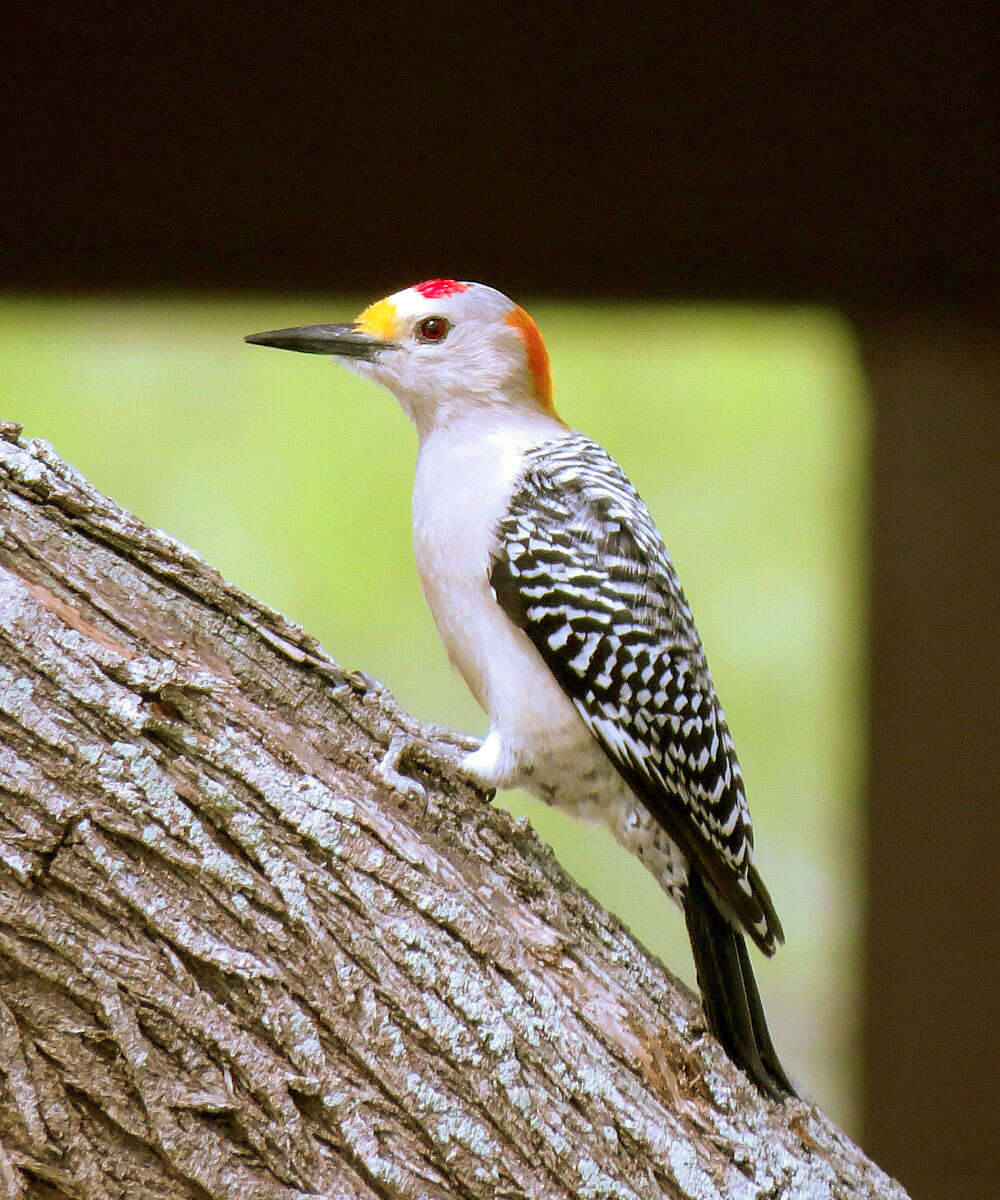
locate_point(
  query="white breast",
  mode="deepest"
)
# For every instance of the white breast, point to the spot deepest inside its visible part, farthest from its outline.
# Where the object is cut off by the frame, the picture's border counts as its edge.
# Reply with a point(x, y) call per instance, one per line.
point(465, 475)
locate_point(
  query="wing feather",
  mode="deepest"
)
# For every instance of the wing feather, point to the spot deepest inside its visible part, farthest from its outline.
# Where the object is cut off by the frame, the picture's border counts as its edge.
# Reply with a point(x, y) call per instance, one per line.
point(580, 566)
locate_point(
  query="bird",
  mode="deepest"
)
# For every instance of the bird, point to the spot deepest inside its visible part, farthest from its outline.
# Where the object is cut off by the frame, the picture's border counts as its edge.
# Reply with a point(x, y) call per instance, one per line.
point(558, 603)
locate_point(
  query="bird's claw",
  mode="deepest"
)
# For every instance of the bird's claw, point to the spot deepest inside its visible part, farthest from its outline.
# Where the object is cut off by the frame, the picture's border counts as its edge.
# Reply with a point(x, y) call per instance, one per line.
point(400, 748)
point(403, 749)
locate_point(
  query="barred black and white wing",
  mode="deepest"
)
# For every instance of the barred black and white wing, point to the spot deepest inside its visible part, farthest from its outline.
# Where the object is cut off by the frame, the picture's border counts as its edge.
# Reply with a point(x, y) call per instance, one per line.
point(582, 569)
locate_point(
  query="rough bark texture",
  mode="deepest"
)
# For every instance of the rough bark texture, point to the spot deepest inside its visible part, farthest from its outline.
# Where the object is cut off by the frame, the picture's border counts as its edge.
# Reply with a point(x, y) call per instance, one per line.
point(233, 963)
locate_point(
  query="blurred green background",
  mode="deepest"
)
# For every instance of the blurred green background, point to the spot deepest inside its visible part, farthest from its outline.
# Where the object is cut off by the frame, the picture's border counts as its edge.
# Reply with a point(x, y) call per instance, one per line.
point(745, 430)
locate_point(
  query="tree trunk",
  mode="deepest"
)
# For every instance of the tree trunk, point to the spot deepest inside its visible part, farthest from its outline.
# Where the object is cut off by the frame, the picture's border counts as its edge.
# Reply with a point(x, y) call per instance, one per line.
point(234, 963)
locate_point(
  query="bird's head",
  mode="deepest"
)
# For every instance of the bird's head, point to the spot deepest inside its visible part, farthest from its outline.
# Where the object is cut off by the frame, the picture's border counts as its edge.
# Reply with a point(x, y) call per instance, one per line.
point(440, 347)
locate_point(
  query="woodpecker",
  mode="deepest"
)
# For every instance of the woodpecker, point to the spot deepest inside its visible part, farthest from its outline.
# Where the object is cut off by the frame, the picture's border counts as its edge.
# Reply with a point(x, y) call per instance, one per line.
point(558, 603)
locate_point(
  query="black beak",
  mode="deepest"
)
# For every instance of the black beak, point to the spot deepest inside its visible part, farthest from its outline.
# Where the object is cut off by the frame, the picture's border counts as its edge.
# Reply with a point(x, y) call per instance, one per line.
point(346, 340)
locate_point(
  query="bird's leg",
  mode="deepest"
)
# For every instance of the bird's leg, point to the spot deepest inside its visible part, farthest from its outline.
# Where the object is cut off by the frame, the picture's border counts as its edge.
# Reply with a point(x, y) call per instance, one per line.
point(485, 764)
point(431, 746)
point(437, 755)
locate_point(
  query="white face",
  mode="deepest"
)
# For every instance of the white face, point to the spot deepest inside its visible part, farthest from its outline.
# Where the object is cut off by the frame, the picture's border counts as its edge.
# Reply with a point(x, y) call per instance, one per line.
point(442, 348)
point(451, 345)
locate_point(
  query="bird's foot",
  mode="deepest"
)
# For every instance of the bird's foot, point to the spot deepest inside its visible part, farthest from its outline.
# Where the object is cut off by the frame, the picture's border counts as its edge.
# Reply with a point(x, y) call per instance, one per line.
point(405, 749)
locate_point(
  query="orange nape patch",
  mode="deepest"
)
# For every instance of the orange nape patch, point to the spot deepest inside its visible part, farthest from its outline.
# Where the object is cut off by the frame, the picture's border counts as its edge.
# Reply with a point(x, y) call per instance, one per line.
point(379, 320)
point(538, 356)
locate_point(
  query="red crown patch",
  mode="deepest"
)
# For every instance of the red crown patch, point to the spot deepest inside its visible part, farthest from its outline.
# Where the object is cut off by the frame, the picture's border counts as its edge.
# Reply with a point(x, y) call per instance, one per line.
point(434, 289)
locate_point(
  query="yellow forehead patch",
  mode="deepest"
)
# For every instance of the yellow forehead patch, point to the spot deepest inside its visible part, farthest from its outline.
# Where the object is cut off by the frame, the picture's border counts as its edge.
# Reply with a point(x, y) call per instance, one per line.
point(538, 356)
point(379, 320)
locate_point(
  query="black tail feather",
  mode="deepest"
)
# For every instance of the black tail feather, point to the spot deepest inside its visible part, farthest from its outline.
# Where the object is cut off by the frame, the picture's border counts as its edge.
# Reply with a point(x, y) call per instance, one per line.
point(729, 992)
point(762, 1035)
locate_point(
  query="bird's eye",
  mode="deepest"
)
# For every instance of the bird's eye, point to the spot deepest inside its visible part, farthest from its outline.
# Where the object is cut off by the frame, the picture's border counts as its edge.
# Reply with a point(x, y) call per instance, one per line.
point(433, 329)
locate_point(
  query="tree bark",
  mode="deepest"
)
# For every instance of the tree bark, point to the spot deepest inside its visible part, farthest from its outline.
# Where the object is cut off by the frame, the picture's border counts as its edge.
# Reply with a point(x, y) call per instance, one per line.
point(234, 963)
